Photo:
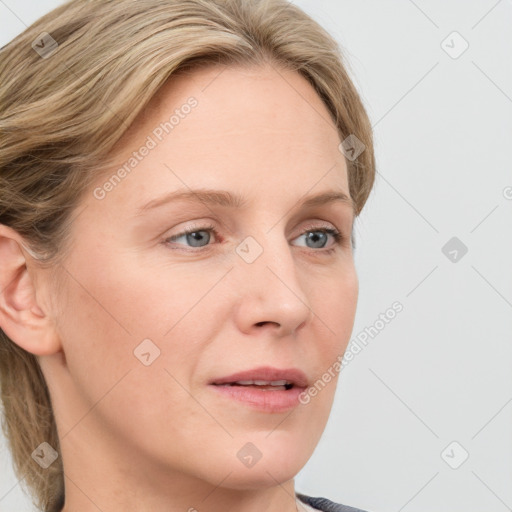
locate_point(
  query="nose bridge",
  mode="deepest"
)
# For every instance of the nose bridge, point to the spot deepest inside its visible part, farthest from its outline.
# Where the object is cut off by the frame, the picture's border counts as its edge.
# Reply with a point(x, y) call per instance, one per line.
point(266, 253)
point(270, 288)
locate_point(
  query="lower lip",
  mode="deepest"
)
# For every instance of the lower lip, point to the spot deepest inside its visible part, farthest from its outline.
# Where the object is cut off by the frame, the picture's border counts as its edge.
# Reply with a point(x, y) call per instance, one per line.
point(266, 401)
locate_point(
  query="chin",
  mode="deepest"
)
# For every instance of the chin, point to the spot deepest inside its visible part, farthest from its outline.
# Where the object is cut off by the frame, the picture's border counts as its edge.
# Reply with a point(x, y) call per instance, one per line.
point(262, 478)
point(276, 464)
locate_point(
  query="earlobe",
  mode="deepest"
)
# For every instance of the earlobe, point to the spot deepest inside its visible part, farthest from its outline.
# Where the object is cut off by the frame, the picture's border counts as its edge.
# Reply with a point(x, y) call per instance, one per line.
point(21, 317)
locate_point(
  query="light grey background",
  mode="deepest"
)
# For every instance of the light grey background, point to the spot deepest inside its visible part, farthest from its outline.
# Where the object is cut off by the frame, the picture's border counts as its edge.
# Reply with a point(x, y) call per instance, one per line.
point(441, 370)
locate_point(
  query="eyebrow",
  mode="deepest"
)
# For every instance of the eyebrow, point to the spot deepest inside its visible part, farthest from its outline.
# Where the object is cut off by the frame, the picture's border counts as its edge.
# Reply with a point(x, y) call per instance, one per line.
point(230, 200)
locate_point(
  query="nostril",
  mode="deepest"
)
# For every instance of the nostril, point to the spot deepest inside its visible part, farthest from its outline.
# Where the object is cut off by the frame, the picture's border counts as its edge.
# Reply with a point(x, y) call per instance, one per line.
point(259, 324)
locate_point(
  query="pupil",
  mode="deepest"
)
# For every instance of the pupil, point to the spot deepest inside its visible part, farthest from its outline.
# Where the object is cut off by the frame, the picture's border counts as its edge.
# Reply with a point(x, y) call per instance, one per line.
point(315, 235)
point(196, 236)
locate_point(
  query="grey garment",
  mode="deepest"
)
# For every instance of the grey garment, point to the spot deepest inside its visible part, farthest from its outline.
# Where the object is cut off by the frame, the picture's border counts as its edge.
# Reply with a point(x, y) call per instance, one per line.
point(325, 505)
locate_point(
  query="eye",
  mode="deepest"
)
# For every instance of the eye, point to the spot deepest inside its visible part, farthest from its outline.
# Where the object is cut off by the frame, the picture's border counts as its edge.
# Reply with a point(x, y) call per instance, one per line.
point(200, 236)
point(197, 236)
point(317, 237)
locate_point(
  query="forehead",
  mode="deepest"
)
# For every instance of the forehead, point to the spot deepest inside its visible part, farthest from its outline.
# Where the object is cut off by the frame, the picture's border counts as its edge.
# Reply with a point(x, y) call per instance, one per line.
point(259, 128)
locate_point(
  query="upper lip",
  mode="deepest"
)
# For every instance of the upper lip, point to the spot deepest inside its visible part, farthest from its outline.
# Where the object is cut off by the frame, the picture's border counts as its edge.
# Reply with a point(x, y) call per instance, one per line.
point(292, 375)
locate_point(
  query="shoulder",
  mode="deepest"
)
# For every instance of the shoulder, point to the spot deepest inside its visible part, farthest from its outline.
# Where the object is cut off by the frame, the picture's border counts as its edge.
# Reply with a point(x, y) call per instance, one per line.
point(324, 504)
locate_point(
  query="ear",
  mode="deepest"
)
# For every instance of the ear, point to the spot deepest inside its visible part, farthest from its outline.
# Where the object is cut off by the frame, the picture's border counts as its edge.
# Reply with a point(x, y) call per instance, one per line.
point(22, 318)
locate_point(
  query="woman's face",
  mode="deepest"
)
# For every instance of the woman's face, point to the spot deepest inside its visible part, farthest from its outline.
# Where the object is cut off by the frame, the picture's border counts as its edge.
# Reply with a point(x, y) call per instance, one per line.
point(150, 317)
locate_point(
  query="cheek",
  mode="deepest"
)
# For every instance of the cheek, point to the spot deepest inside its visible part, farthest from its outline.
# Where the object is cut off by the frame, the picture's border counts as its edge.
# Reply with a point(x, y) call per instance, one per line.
point(119, 296)
point(99, 320)
point(113, 304)
point(109, 311)
point(335, 304)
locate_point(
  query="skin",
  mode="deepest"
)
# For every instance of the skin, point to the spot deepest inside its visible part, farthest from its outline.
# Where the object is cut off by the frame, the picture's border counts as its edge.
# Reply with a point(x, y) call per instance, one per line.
point(157, 438)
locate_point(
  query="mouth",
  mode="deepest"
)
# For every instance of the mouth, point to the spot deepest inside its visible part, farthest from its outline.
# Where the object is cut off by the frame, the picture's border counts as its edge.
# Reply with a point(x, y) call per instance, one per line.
point(277, 385)
point(265, 377)
point(265, 389)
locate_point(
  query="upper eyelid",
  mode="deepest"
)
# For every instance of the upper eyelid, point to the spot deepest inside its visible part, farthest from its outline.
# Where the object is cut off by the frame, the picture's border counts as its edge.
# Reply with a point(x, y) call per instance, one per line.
point(312, 226)
point(206, 226)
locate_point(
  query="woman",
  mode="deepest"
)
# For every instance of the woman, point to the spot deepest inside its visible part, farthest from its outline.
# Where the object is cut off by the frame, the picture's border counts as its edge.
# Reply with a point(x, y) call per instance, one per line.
point(179, 182)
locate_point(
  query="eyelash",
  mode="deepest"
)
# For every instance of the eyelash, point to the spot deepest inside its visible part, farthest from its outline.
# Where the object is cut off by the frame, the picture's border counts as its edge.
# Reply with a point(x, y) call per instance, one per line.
point(339, 239)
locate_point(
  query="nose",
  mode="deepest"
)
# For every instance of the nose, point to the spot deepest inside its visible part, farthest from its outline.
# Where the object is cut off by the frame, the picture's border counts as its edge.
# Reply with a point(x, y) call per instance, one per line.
point(271, 292)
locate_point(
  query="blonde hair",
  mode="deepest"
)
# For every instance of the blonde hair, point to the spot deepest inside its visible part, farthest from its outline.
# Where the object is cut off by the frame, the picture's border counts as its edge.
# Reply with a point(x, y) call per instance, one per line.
point(63, 109)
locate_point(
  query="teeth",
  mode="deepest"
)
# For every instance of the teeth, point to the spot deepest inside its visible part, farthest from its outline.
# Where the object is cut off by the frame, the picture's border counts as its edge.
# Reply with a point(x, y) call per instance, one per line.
point(262, 382)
